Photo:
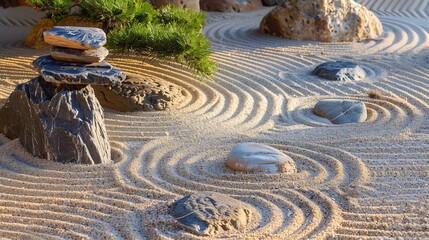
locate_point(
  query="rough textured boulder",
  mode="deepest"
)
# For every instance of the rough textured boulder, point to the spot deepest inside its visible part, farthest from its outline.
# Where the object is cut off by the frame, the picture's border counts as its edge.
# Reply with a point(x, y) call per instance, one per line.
point(258, 157)
point(230, 5)
point(35, 37)
point(341, 111)
point(191, 4)
point(322, 20)
point(76, 73)
point(209, 213)
point(80, 56)
point(61, 123)
point(340, 71)
point(139, 93)
point(271, 2)
point(75, 37)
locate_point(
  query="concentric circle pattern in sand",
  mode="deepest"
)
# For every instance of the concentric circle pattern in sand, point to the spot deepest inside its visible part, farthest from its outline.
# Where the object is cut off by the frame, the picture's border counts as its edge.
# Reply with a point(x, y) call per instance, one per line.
point(356, 181)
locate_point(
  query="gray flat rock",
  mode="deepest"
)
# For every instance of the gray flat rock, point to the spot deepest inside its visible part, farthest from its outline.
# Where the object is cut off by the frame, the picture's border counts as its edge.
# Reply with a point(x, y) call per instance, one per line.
point(256, 157)
point(210, 213)
point(340, 71)
point(79, 56)
point(61, 123)
point(341, 111)
point(77, 73)
point(75, 37)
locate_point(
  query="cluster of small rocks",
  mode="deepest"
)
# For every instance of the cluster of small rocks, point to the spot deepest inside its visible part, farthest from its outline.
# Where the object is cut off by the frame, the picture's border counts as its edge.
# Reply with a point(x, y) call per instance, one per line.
point(59, 116)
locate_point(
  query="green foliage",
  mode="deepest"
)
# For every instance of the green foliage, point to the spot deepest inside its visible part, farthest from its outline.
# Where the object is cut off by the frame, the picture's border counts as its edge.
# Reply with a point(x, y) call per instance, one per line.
point(174, 15)
point(54, 9)
point(186, 46)
point(115, 13)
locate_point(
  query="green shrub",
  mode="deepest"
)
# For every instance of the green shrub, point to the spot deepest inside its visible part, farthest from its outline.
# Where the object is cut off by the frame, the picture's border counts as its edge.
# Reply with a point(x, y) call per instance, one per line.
point(186, 46)
point(54, 9)
point(114, 13)
point(174, 15)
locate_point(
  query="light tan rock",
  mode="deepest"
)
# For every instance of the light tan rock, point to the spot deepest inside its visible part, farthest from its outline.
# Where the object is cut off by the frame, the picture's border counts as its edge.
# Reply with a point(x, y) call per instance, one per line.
point(80, 56)
point(322, 20)
point(191, 4)
point(230, 5)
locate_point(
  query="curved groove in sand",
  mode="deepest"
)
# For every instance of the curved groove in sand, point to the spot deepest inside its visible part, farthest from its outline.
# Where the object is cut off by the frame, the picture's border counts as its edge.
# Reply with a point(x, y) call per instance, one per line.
point(355, 181)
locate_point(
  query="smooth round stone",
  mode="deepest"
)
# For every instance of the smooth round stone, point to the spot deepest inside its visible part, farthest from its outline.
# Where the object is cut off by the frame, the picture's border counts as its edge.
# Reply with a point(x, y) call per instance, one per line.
point(340, 71)
point(77, 73)
point(210, 213)
point(256, 157)
point(79, 56)
point(75, 37)
point(341, 111)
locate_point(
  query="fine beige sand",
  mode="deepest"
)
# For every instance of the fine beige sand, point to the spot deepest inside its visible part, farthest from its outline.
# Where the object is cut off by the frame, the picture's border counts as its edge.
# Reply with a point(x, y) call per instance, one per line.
point(355, 181)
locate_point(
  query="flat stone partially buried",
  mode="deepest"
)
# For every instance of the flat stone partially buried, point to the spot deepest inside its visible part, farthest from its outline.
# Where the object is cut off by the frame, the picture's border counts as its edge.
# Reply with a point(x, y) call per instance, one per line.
point(256, 157)
point(75, 37)
point(210, 213)
point(79, 56)
point(341, 111)
point(77, 73)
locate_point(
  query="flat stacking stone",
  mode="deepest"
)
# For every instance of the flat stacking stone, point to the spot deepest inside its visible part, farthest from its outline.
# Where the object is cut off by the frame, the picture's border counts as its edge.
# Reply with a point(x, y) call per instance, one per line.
point(63, 124)
point(322, 20)
point(80, 56)
point(340, 71)
point(341, 111)
point(75, 37)
point(230, 5)
point(209, 213)
point(76, 73)
point(140, 93)
point(260, 158)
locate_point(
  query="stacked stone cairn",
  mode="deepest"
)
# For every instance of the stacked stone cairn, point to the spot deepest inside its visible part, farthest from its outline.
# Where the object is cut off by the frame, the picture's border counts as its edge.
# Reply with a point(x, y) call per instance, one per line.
point(56, 115)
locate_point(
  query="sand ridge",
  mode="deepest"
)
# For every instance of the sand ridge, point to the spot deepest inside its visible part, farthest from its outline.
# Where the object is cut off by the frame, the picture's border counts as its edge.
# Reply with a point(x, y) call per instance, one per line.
point(354, 181)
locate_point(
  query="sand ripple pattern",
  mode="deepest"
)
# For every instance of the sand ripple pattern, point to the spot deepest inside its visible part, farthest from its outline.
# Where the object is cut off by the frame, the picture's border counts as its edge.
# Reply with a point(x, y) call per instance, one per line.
point(355, 181)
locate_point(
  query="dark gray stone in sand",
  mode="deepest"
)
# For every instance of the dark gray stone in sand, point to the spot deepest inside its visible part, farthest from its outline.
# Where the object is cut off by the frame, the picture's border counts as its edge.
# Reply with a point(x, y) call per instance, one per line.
point(77, 73)
point(61, 123)
point(210, 213)
point(340, 71)
point(341, 111)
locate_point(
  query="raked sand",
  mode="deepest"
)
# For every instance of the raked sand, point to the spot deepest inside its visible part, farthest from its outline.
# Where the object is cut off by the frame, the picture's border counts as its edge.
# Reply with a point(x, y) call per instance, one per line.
point(356, 181)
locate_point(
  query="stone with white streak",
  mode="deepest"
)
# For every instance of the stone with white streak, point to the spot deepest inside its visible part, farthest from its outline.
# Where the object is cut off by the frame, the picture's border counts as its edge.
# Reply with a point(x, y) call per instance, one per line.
point(322, 20)
point(75, 37)
point(80, 56)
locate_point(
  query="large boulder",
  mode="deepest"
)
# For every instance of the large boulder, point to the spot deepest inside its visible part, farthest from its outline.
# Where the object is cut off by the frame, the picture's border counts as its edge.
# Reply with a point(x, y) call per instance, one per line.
point(210, 213)
point(139, 93)
point(230, 5)
point(322, 20)
point(63, 123)
point(340, 111)
point(191, 4)
point(256, 157)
